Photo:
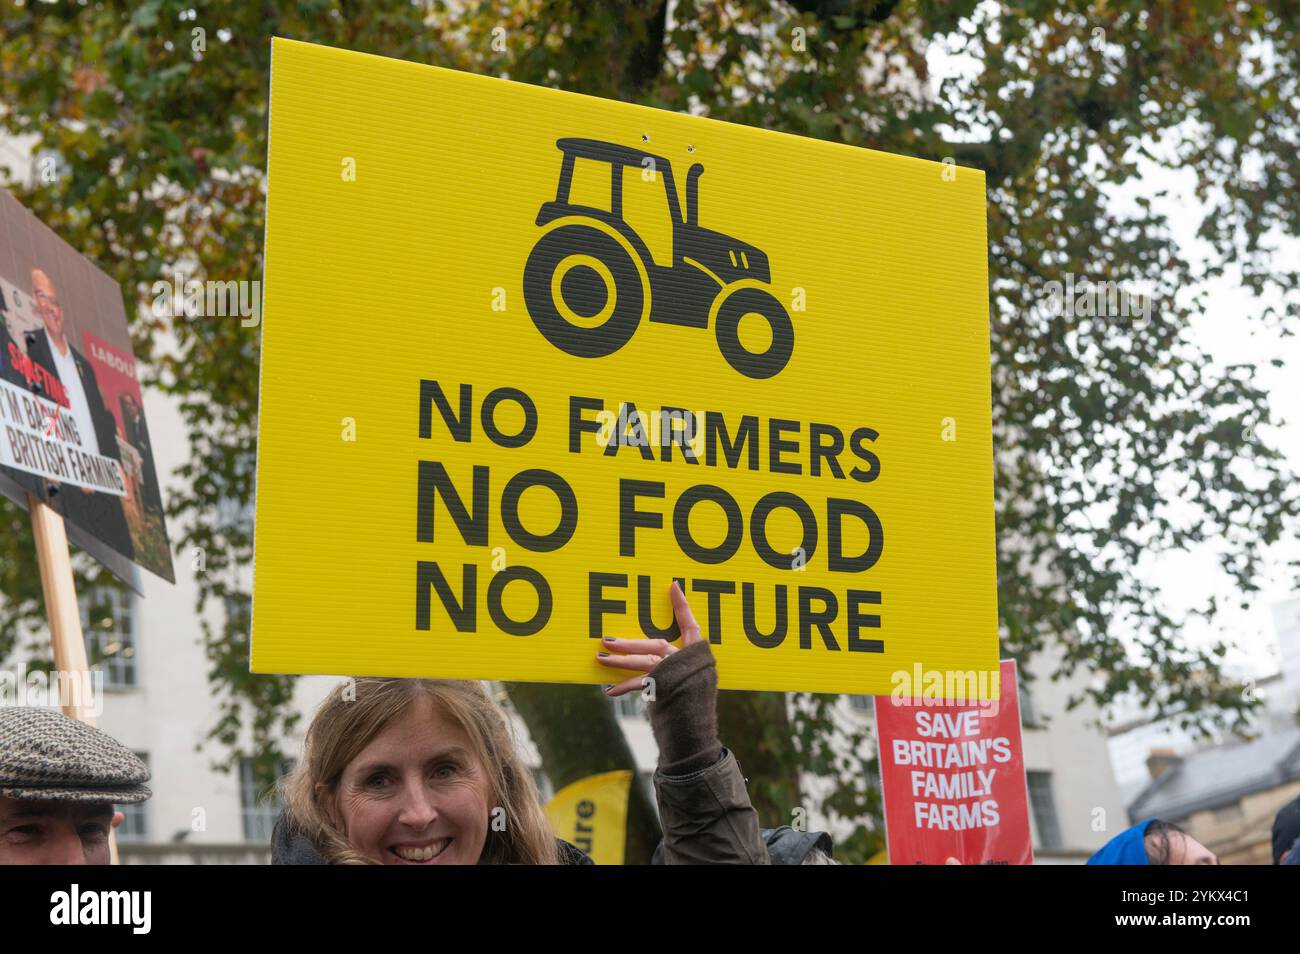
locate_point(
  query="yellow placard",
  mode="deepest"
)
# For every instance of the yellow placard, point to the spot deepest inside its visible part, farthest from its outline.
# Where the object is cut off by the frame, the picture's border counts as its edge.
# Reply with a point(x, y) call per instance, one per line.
point(592, 814)
point(527, 356)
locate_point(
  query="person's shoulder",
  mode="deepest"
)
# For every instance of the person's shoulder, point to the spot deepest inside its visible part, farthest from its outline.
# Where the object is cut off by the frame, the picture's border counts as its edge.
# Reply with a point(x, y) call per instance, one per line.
point(786, 846)
point(8, 372)
point(82, 362)
point(37, 344)
point(289, 846)
point(572, 854)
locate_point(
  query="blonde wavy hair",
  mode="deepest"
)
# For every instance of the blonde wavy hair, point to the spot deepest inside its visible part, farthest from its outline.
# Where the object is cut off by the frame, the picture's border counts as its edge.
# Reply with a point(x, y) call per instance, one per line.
point(343, 726)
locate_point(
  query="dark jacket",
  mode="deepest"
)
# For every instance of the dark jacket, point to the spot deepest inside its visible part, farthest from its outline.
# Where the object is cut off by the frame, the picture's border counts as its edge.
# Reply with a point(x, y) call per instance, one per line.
point(704, 807)
point(708, 819)
point(290, 847)
point(786, 846)
point(8, 370)
point(1286, 831)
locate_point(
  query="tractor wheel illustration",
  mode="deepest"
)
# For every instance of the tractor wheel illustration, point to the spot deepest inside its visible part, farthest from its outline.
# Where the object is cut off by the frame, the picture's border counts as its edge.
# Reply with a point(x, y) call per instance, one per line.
point(754, 301)
point(583, 291)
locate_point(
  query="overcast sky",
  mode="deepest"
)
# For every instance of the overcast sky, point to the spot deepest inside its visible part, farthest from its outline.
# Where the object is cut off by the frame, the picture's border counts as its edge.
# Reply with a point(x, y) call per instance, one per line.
point(1231, 333)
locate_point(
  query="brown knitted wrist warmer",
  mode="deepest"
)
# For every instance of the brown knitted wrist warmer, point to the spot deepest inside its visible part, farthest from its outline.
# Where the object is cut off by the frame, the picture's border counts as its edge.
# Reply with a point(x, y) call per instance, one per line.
point(683, 715)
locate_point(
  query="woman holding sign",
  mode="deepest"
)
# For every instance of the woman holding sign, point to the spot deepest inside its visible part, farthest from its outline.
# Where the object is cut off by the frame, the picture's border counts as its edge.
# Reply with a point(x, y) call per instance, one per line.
point(424, 771)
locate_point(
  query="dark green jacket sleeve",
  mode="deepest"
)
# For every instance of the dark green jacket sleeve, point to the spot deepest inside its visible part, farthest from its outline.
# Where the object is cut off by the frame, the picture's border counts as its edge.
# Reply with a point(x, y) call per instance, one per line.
point(707, 817)
point(703, 805)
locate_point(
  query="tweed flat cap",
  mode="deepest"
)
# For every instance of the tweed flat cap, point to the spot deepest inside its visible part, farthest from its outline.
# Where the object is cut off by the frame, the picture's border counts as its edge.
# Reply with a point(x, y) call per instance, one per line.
point(45, 755)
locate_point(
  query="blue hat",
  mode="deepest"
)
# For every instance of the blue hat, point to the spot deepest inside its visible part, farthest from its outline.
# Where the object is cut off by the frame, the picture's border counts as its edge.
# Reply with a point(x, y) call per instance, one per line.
point(1126, 848)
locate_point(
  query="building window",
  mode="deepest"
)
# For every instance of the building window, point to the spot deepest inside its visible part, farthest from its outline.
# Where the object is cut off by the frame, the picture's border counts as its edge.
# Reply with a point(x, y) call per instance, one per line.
point(259, 805)
point(239, 615)
point(135, 824)
point(1043, 804)
point(108, 622)
point(860, 703)
point(233, 514)
point(1028, 713)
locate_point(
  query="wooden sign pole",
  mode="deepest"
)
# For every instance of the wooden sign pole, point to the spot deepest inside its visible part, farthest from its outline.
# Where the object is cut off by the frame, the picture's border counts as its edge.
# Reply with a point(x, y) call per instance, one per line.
point(63, 613)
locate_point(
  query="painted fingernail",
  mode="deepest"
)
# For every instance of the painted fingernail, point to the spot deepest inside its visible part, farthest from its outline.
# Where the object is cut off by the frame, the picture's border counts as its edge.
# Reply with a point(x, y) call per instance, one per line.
point(608, 639)
point(607, 688)
point(602, 654)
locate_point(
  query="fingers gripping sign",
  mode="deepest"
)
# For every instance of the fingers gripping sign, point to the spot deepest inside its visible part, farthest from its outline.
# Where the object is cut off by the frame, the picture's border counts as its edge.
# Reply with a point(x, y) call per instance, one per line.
point(685, 618)
point(643, 655)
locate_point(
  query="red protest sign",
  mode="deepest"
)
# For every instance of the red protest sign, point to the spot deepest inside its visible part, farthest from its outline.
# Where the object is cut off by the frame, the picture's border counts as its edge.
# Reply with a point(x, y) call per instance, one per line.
point(953, 778)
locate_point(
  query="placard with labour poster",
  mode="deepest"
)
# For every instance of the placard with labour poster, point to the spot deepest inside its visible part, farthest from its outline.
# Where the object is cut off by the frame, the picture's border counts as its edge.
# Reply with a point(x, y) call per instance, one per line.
point(72, 424)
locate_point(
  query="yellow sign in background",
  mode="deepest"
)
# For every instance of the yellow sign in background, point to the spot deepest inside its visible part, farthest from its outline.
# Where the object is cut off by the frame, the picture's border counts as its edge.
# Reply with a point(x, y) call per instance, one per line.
point(591, 814)
point(464, 473)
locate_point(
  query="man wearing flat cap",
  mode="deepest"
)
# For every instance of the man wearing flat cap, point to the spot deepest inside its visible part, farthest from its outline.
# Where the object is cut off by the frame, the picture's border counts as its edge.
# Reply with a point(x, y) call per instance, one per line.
point(59, 781)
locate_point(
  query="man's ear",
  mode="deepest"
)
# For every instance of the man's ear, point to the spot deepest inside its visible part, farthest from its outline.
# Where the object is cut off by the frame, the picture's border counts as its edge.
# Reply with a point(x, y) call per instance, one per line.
point(118, 818)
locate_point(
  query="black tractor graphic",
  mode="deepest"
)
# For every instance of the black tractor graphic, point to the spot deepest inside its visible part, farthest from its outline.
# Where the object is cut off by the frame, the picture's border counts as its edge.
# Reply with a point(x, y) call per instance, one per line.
point(590, 280)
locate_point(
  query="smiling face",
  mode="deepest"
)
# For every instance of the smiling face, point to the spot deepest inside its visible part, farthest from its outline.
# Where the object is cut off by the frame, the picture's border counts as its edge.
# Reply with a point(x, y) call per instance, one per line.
point(54, 833)
point(416, 794)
